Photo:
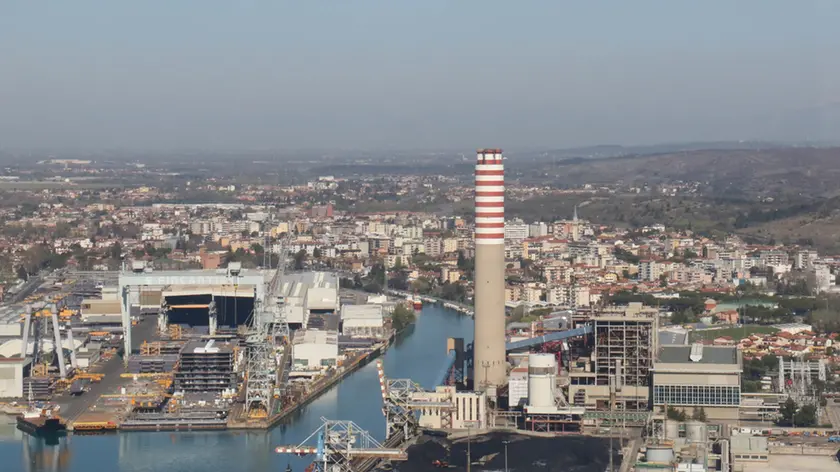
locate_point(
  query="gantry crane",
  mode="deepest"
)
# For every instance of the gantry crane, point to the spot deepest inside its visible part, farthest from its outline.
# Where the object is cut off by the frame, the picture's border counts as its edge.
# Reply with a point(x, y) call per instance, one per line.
point(401, 401)
point(396, 400)
point(340, 445)
point(45, 311)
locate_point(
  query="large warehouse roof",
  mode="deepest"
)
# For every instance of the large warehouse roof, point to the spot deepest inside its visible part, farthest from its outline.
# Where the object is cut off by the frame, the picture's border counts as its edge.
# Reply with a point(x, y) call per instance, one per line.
point(709, 355)
point(318, 289)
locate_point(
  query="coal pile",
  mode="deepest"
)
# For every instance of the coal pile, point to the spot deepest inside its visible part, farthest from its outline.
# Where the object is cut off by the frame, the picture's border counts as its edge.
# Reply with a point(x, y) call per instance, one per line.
point(525, 453)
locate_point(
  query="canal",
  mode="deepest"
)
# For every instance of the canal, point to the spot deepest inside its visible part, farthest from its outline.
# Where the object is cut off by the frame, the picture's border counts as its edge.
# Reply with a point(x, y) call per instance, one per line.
point(419, 356)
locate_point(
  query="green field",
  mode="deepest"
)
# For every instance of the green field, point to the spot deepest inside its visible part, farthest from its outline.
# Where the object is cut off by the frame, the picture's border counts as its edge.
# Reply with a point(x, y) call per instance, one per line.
point(735, 333)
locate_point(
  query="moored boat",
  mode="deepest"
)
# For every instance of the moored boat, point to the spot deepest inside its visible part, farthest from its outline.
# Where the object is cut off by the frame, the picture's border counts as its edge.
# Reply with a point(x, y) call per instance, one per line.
point(38, 423)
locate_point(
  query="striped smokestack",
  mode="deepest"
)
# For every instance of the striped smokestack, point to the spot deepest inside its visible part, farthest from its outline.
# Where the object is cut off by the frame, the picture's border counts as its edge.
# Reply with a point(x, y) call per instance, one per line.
point(489, 368)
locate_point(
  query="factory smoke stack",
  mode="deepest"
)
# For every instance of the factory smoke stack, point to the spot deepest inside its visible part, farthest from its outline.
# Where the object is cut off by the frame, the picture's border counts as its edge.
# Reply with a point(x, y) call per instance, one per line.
point(489, 367)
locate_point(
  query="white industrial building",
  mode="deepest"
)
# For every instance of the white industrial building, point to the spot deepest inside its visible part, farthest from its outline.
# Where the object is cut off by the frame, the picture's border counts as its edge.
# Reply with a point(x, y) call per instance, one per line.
point(451, 409)
point(518, 387)
point(314, 349)
point(11, 376)
point(308, 292)
point(363, 321)
point(141, 287)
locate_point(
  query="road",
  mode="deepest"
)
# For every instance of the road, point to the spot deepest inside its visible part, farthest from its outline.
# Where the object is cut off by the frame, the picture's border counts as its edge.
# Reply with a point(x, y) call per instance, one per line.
point(833, 411)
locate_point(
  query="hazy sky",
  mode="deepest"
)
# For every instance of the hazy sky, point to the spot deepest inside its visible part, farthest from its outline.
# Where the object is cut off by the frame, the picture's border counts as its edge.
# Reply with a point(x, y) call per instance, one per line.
point(415, 73)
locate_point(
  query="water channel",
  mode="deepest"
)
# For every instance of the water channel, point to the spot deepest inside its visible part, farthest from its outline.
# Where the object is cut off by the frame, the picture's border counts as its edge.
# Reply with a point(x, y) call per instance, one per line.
point(419, 356)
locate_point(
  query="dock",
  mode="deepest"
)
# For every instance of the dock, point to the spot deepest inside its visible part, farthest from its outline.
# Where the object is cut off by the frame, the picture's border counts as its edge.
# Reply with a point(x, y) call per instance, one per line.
point(320, 387)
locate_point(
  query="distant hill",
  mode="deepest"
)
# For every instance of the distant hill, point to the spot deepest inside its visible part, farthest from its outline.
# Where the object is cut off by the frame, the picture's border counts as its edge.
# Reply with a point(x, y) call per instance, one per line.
point(615, 150)
point(815, 171)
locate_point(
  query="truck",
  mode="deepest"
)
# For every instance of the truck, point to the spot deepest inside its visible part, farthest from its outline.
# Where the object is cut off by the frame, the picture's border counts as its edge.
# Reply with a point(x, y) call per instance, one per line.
point(77, 387)
point(834, 439)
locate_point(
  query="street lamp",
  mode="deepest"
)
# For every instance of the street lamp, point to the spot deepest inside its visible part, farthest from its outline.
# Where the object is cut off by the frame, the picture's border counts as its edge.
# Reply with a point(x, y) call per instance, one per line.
point(469, 443)
point(506, 462)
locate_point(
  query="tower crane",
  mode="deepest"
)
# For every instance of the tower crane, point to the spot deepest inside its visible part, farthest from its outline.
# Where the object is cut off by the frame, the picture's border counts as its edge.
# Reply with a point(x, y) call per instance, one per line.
point(342, 446)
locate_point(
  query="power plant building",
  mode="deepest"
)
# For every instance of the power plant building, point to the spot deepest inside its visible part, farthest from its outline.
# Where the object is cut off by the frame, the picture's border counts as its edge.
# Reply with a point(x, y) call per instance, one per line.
point(461, 410)
point(489, 366)
point(620, 362)
point(708, 377)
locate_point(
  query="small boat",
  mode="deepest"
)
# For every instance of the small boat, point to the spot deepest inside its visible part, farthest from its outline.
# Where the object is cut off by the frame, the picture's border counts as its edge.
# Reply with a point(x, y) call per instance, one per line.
point(415, 302)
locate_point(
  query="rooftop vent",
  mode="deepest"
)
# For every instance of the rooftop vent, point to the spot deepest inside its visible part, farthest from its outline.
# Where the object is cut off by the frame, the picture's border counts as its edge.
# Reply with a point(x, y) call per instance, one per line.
point(696, 352)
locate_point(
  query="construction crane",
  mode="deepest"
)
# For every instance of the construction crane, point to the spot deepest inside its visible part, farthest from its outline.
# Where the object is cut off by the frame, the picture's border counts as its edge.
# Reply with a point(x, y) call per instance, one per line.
point(270, 331)
point(339, 444)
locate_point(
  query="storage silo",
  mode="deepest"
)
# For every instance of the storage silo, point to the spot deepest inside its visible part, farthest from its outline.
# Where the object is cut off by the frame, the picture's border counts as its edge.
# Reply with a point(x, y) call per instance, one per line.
point(672, 429)
point(659, 454)
point(695, 431)
point(542, 380)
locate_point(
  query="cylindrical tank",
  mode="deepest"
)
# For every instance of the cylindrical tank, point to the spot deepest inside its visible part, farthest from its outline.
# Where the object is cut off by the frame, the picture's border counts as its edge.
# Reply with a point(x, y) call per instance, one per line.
point(672, 429)
point(695, 431)
point(641, 467)
point(659, 454)
point(542, 376)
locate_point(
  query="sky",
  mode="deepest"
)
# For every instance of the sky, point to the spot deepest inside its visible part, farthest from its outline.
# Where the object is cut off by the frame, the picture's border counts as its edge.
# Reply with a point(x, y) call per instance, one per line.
point(415, 74)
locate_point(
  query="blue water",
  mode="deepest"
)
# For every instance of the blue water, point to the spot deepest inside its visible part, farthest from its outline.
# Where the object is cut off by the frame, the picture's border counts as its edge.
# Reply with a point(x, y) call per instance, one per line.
point(419, 356)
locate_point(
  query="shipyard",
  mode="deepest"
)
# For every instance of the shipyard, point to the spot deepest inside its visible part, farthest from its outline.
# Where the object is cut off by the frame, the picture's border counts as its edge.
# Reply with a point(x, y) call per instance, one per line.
point(143, 352)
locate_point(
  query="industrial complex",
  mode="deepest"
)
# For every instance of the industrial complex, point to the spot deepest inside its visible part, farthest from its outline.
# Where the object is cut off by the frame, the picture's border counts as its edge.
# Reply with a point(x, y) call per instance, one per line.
point(181, 350)
point(236, 348)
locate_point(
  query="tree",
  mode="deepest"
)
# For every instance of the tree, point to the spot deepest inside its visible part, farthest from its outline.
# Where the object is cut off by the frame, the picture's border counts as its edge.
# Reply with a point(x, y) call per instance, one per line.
point(806, 416)
point(115, 252)
point(316, 253)
point(626, 256)
point(684, 316)
point(300, 259)
point(675, 414)
point(402, 317)
point(787, 413)
point(699, 414)
point(21, 272)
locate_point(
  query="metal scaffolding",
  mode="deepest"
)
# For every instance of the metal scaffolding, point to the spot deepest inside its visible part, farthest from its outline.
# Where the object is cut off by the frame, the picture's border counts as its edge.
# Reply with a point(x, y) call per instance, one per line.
point(398, 404)
point(339, 445)
point(797, 379)
point(625, 347)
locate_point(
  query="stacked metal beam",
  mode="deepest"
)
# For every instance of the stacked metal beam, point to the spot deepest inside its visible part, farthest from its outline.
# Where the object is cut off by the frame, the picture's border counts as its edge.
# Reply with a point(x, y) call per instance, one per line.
point(40, 387)
point(152, 364)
